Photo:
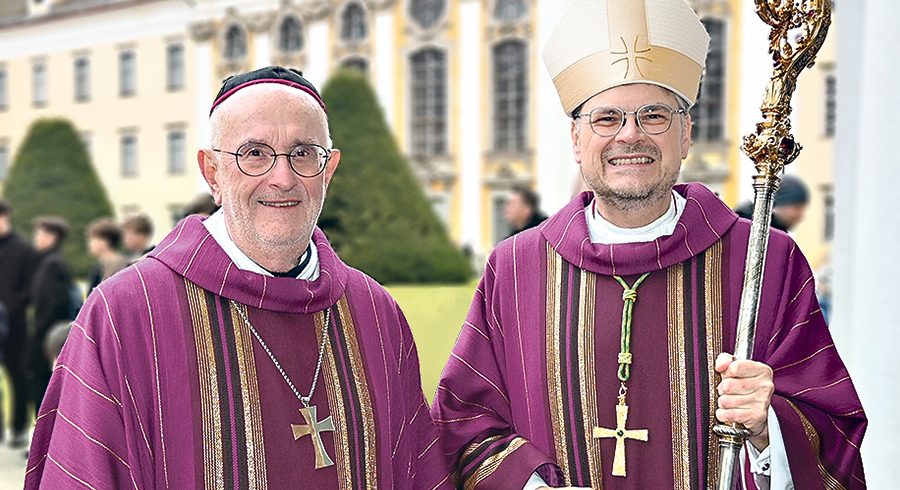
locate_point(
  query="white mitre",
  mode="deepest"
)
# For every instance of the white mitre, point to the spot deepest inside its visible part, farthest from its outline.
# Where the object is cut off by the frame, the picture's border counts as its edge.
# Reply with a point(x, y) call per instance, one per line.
point(601, 44)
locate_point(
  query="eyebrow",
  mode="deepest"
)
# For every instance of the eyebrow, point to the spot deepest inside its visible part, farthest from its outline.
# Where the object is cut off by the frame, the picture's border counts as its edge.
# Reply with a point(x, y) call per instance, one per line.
point(295, 143)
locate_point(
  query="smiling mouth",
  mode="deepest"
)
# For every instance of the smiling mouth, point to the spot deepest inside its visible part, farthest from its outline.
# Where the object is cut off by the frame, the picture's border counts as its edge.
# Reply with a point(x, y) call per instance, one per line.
point(630, 161)
point(280, 204)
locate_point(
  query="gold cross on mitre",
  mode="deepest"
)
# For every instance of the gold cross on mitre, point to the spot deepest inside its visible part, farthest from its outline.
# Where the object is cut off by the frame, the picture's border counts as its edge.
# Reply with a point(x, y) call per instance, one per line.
point(315, 429)
point(620, 433)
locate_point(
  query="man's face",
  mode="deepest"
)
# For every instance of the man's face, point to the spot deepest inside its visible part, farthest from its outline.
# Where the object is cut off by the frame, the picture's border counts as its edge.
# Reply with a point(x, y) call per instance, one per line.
point(134, 241)
point(275, 212)
point(631, 165)
point(790, 214)
point(43, 240)
point(516, 212)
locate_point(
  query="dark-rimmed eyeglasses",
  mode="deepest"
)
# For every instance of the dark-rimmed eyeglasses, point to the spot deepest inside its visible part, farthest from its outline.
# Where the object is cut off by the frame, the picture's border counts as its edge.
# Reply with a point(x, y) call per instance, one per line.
point(653, 119)
point(256, 159)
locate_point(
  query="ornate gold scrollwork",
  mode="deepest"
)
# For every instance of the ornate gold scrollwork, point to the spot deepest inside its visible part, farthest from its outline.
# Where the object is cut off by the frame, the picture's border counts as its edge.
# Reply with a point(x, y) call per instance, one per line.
point(798, 31)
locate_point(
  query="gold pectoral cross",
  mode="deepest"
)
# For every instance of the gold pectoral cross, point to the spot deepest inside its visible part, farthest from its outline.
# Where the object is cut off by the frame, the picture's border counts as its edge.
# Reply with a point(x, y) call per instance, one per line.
point(620, 433)
point(315, 429)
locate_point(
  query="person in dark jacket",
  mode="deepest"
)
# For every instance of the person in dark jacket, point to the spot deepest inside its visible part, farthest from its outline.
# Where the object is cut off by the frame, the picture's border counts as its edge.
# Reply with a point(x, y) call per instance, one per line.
point(522, 210)
point(788, 205)
point(50, 300)
point(17, 261)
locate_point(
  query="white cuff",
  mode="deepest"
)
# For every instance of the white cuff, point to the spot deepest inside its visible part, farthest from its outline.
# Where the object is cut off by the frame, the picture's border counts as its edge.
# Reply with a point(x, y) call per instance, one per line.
point(770, 467)
point(535, 482)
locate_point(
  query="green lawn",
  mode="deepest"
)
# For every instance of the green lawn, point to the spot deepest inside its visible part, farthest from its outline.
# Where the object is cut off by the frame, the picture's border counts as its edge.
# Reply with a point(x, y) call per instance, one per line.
point(435, 315)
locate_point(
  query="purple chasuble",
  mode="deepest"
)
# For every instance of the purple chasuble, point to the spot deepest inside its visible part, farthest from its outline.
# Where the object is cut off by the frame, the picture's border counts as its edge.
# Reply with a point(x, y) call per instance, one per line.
point(534, 371)
point(162, 384)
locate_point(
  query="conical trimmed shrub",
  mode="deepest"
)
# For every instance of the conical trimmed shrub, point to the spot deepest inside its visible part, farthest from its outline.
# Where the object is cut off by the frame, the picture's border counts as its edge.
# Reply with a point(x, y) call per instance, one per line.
point(52, 174)
point(376, 214)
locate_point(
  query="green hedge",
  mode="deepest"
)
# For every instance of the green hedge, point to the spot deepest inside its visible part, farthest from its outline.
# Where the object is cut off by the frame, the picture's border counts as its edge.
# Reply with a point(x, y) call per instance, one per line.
point(52, 175)
point(376, 214)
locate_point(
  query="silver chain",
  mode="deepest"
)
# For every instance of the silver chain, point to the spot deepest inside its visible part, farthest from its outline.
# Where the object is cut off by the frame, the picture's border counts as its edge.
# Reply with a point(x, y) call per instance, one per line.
point(303, 399)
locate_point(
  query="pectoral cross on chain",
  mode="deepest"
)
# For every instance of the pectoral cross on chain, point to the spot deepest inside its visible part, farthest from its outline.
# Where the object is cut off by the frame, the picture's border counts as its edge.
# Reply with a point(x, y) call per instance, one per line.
point(314, 430)
point(620, 433)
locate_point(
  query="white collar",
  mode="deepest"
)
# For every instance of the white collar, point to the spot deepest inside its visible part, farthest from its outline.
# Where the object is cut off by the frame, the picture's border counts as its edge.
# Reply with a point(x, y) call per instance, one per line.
point(602, 231)
point(216, 226)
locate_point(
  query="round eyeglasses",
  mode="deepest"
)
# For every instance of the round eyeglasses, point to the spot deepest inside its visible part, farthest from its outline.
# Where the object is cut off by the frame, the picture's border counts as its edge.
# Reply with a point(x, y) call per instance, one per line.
point(652, 119)
point(256, 159)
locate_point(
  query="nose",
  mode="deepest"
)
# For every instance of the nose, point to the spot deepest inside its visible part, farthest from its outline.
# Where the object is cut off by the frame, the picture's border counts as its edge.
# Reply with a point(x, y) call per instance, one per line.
point(282, 175)
point(630, 131)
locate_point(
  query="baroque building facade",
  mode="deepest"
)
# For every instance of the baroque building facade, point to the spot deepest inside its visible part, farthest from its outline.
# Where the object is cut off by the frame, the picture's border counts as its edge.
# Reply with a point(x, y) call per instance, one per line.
point(461, 82)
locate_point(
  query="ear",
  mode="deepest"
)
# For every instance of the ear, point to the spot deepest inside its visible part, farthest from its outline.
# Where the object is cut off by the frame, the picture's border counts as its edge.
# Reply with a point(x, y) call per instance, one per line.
point(686, 137)
point(332, 165)
point(209, 169)
point(576, 140)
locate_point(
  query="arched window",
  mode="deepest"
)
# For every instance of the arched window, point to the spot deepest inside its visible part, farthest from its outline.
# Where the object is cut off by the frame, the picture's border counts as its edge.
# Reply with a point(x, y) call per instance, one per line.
point(353, 23)
point(235, 43)
point(510, 77)
point(510, 9)
point(358, 64)
point(426, 12)
point(290, 35)
point(429, 102)
point(708, 113)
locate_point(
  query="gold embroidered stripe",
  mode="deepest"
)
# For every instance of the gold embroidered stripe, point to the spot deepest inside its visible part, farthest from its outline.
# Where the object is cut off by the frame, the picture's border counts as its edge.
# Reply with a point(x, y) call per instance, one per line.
point(681, 464)
point(830, 482)
point(354, 390)
point(213, 463)
point(714, 330)
point(253, 428)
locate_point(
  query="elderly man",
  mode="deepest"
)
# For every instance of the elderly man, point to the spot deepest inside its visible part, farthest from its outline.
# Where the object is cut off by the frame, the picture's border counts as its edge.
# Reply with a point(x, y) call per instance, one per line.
point(592, 354)
point(242, 353)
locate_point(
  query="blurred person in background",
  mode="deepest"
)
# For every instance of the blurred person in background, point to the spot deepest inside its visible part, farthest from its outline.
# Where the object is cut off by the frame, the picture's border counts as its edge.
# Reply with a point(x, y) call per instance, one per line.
point(137, 230)
point(203, 205)
point(51, 300)
point(104, 239)
point(522, 210)
point(17, 261)
point(788, 206)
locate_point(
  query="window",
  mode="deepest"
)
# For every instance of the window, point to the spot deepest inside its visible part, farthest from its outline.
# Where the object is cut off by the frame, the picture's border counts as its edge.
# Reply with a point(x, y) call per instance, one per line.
point(4, 161)
point(708, 113)
point(510, 9)
point(175, 66)
point(290, 35)
point(429, 102)
point(129, 155)
point(127, 73)
point(39, 83)
point(510, 96)
point(358, 64)
point(4, 96)
point(353, 23)
point(82, 79)
point(830, 105)
point(235, 44)
point(176, 154)
point(426, 12)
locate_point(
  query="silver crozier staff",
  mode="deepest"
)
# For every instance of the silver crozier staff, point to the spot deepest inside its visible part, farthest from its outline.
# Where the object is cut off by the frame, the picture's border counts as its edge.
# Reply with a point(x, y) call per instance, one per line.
point(771, 148)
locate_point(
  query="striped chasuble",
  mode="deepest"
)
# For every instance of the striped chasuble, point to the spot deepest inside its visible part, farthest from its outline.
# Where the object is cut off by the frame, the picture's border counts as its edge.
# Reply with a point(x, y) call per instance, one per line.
point(163, 385)
point(534, 371)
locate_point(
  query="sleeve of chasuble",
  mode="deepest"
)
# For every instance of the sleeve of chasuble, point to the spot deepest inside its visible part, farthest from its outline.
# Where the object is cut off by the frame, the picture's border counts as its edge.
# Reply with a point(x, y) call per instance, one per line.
point(422, 466)
point(472, 406)
point(821, 418)
point(80, 437)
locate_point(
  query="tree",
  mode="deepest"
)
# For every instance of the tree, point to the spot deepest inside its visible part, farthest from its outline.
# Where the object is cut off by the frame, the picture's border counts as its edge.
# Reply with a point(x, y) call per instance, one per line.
point(376, 215)
point(52, 175)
